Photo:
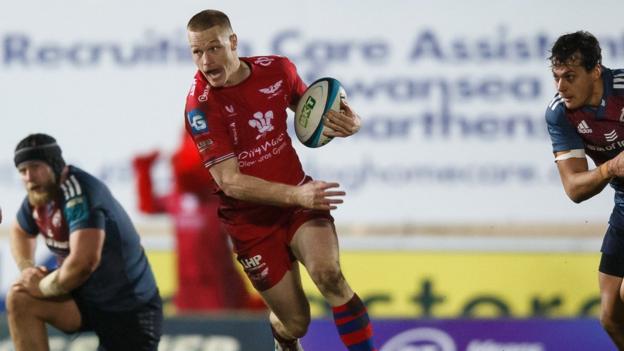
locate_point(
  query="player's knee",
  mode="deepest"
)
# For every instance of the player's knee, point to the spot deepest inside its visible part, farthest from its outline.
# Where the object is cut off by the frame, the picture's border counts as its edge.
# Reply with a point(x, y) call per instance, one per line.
point(297, 326)
point(17, 302)
point(611, 323)
point(327, 277)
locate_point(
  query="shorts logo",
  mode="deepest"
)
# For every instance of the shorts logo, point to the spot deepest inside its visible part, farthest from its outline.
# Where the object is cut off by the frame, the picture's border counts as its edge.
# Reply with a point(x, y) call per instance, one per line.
point(256, 270)
point(251, 262)
point(197, 121)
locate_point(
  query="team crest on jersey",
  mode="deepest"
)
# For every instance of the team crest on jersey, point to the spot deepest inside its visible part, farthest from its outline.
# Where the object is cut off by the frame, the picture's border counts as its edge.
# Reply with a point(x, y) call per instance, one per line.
point(262, 122)
point(264, 61)
point(273, 89)
point(197, 121)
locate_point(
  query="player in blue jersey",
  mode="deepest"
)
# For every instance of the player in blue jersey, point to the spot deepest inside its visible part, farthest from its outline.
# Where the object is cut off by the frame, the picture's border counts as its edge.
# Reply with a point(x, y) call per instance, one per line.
point(103, 282)
point(586, 117)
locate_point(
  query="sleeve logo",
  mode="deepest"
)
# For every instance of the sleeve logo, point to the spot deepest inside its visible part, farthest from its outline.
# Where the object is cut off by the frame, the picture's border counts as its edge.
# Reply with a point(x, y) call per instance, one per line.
point(197, 121)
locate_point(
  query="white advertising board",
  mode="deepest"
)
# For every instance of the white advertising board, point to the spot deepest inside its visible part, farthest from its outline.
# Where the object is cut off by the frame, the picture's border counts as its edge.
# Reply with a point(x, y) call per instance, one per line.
point(452, 95)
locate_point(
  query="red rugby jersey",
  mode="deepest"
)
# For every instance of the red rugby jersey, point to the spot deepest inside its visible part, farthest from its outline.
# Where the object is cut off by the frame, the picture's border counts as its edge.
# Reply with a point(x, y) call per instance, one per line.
point(248, 121)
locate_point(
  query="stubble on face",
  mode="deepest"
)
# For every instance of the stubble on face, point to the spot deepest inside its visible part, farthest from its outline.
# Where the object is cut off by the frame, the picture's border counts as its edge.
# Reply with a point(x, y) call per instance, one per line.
point(42, 194)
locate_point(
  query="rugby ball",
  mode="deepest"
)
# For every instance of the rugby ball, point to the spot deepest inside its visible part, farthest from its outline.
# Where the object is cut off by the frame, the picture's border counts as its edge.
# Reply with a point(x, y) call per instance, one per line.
point(321, 96)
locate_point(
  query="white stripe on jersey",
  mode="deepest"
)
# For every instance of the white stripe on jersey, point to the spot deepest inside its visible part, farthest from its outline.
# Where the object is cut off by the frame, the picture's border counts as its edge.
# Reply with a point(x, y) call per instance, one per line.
point(555, 101)
point(217, 160)
point(618, 86)
point(70, 189)
point(76, 184)
point(65, 193)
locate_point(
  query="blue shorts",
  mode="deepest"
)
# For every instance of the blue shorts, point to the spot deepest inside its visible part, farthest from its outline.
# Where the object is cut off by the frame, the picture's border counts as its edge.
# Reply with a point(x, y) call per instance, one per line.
point(612, 259)
point(137, 330)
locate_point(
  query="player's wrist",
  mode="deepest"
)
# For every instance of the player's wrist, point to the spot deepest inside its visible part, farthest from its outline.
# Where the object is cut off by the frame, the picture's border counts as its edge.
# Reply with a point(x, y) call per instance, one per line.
point(605, 170)
point(50, 285)
point(24, 264)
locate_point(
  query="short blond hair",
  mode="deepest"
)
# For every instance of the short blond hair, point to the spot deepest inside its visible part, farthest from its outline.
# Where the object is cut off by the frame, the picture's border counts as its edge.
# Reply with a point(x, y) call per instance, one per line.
point(207, 19)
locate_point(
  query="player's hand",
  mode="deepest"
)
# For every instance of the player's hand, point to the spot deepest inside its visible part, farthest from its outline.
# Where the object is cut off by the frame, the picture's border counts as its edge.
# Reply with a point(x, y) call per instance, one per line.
point(343, 123)
point(615, 166)
point(319, 195)
point(29, 281)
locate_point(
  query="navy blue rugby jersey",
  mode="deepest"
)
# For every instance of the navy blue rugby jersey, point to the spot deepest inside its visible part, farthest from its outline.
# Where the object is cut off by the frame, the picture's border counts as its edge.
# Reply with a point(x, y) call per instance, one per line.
point(597, 130)
point(124, 279)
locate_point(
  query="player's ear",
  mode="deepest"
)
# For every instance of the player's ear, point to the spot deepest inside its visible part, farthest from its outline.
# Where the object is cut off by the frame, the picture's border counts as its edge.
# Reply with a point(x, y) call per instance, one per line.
point(233, 41)
point(596, 72)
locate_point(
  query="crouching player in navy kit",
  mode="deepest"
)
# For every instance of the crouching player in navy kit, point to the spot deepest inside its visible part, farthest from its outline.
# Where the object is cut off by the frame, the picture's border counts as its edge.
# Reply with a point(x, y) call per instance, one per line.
point(274, 213)
point(103, 283)
point(586, 117)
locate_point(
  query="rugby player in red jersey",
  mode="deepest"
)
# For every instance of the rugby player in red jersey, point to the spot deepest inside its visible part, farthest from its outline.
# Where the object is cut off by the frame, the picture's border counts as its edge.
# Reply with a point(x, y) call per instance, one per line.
point(274, 213)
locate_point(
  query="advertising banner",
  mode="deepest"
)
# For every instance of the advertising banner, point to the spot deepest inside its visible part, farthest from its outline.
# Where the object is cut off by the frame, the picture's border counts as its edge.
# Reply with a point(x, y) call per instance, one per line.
point(470, 285)
point(471, 335)
point(452, 96)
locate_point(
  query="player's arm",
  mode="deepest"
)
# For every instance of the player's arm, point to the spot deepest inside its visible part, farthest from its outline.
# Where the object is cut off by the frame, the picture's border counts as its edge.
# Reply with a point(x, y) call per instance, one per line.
point(314, 195)
point(85, 247)
point(22, 247)
point(581, 183)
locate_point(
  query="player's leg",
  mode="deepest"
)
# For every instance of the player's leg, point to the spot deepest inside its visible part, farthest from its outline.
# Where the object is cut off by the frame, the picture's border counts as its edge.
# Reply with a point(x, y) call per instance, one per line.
point(611, 301)
point(139, 329)
point(611, 271)
point(290, 310)
point(27, 317)
point(316, 245)
point(271, 268)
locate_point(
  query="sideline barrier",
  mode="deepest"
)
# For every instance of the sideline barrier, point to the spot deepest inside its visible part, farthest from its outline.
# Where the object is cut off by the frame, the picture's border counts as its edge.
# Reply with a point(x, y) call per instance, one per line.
point(415, 284)
point(471, 335)
point(196, 333)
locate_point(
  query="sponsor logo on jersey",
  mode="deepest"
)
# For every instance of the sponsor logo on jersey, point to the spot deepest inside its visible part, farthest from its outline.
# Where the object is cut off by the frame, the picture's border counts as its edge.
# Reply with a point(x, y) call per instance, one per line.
point(273, 89)
point(264, 61)
point(262, 122)
point(192, 91)
point(583, 128)
point(204, 145)
point(611, 136)
point(234, 133)
point(204, 95)
point(197, 121)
